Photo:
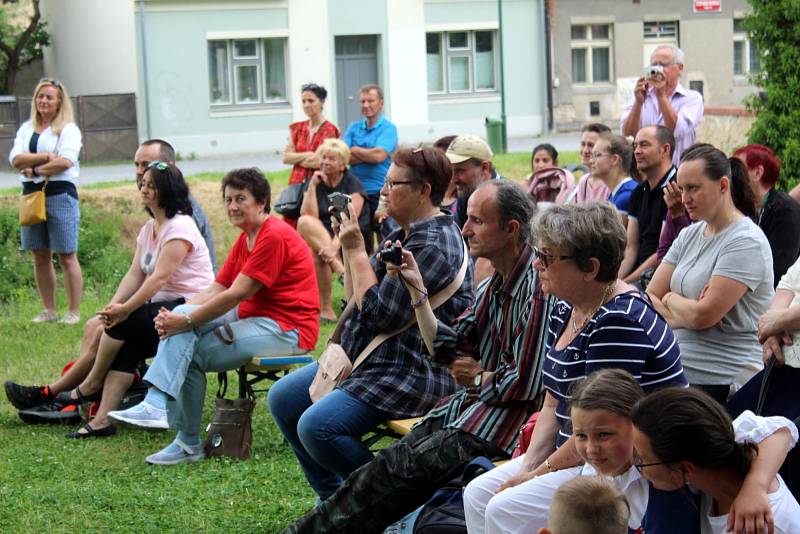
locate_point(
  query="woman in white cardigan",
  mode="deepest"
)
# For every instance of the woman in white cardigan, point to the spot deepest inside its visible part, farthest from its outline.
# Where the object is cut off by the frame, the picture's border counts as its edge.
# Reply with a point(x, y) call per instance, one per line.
point(46, 153)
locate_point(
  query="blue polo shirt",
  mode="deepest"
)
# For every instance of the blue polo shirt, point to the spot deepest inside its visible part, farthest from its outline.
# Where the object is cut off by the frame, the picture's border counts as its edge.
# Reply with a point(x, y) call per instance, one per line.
point(382, 135)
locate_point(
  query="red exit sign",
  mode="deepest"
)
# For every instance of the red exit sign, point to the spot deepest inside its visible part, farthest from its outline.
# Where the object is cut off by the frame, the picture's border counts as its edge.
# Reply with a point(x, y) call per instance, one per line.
point(707, 6)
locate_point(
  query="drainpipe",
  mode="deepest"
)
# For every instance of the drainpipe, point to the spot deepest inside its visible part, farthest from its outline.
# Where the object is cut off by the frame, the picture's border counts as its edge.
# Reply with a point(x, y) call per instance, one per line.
point(146, 82)
point(548, 50)
point(502, 76)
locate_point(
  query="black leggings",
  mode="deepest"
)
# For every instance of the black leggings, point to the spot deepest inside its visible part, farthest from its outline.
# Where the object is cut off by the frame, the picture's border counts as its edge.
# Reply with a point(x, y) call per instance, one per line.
point(139, 334)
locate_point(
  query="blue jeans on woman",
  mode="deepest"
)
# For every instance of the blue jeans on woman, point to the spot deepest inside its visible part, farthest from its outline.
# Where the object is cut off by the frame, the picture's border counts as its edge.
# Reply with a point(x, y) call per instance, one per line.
point(326, 435)
point(182, 361)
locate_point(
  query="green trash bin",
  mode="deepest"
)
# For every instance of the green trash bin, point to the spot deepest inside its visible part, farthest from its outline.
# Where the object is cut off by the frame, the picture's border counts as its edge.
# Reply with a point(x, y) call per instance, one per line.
point(494, 134)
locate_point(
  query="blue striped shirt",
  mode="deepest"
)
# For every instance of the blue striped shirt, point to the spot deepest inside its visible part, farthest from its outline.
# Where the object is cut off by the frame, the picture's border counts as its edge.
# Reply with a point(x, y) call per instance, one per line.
point(625, 333)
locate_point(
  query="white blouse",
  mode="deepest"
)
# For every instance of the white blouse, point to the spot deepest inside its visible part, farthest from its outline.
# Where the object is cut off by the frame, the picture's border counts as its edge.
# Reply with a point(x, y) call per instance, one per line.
point(67, 145)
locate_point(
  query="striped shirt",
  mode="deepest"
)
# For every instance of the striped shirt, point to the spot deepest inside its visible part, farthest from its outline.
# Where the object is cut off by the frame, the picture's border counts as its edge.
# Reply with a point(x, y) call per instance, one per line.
point(396, 377)
point(505, 331)
point(625, 333)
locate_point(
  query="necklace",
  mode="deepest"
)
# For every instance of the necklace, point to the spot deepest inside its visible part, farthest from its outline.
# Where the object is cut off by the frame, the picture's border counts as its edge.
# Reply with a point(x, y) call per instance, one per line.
point(606, 293)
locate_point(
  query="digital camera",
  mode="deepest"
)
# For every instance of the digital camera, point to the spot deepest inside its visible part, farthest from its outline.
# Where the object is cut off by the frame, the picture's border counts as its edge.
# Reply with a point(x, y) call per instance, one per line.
point(339, 202)
point(651, 71)
point(392, 254)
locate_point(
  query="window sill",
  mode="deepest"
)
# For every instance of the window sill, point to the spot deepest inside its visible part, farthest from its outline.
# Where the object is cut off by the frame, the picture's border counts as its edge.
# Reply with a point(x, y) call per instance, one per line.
point(247, 111)
point(593, 88)
point(467, 98)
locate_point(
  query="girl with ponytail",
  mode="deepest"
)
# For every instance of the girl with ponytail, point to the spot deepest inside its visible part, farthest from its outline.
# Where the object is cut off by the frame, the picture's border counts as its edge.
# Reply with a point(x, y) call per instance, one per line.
point(716, 279)
point(683, 437)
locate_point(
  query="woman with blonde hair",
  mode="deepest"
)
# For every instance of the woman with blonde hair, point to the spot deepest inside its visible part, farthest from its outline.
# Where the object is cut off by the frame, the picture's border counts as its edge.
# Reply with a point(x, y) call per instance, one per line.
point(314, 224)
point(46, 152)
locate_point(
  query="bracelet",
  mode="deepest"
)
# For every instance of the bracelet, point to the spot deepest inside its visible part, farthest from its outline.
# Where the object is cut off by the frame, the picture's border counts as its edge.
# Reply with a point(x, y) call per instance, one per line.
point(421, 300)
point(33, 170)
point(549, 466)
point(189, 321)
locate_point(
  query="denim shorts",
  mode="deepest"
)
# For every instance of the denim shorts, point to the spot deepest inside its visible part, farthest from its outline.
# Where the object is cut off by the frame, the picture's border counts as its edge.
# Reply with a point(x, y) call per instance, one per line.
point(59, 232)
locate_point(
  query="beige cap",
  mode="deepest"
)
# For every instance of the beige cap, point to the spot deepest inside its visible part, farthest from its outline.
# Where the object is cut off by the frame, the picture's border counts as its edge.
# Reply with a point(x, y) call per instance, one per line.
point(468, 146)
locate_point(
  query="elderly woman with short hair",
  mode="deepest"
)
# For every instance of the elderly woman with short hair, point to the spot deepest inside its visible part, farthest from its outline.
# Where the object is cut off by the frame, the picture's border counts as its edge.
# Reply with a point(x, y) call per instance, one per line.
point(396, 380)
point(314, 224)
point(598, 321)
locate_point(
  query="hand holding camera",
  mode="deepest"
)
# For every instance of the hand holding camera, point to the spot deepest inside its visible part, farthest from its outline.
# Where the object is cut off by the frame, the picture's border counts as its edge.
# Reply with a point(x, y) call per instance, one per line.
point(344, 222)
point(400, 262)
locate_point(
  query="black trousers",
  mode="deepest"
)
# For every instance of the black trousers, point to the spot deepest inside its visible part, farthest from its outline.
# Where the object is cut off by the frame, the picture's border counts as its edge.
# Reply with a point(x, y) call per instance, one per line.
point(400, 479)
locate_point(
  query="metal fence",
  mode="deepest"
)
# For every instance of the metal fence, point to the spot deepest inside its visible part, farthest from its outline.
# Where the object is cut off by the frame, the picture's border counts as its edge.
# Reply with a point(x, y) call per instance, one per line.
point(107, 122)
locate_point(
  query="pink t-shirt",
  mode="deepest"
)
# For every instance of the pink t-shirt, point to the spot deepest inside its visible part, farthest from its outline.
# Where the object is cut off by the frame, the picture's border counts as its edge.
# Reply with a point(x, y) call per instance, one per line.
point(194, 274)
point(587, 193)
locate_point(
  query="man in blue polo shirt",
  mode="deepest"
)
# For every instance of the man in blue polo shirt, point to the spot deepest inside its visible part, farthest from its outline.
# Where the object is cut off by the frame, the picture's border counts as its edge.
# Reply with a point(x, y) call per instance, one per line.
point(372, 141)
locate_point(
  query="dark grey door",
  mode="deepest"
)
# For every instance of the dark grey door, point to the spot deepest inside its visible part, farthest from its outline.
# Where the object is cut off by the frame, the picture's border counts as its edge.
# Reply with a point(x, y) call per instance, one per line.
point(356, 65)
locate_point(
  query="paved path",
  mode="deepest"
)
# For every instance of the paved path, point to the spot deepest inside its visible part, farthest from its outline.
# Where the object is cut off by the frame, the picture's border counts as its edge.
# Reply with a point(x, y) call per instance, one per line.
point(92, 174)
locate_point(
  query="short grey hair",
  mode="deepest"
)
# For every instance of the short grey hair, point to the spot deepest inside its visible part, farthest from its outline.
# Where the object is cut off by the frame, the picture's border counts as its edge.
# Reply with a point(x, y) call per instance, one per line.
point(677, 53)
point(513, 204)
point(592, 230)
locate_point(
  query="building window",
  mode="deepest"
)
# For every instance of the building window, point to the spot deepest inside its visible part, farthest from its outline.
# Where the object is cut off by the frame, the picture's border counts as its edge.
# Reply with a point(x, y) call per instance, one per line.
point(745, 53)
point(591, 53)
point(247, 71)
point(461, 62)
point(666, 31)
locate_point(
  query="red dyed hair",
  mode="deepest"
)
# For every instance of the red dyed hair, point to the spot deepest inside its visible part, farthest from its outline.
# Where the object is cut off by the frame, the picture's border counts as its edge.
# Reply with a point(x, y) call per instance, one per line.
point(755, 155)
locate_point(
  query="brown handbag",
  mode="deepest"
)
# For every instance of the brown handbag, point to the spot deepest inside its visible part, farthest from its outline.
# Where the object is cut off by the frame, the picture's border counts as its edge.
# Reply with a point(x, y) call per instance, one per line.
point(32, 208)
point(230, 432)
point(334, 363)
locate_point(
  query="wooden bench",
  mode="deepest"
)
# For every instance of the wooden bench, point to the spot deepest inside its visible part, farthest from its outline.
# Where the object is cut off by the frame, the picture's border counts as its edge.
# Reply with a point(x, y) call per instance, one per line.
point(269, 367)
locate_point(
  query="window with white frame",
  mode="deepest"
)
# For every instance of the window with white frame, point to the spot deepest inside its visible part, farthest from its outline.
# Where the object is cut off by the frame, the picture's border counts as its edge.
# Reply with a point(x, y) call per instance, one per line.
point(247, 72)
point(664, 31)
point(461, 62)
point(745, 53)
point(591, 53)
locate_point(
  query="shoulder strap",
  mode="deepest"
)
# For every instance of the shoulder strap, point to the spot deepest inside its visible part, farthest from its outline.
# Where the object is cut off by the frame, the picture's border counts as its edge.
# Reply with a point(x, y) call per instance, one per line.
point(437, 300)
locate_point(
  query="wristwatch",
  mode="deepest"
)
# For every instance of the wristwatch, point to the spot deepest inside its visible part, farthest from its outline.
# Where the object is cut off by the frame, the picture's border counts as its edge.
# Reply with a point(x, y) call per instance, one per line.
point(478, 379)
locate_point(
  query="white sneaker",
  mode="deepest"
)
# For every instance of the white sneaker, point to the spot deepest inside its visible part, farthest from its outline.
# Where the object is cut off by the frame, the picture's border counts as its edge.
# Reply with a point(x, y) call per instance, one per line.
point(45, 317)
point(70, 318)
point(184, 454)
point(143, 414)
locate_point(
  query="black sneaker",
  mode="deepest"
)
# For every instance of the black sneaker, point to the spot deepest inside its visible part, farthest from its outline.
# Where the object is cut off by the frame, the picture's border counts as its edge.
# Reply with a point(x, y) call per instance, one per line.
point(24, 397)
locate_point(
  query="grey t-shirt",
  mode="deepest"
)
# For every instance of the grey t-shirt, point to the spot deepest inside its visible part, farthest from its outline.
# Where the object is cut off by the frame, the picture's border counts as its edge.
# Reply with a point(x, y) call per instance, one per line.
point(741, 252)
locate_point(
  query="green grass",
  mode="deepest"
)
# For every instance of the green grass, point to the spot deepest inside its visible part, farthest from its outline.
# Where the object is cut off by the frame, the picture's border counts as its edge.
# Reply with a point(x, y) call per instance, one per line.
point(53, 484)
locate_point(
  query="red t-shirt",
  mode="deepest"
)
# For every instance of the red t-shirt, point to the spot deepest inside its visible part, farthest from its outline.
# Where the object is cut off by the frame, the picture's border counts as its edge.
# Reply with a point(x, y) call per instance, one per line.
point(282, 261)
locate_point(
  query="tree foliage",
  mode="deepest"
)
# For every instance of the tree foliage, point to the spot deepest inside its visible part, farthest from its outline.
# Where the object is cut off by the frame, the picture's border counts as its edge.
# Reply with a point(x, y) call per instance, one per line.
point(22, 38)
point(773, 28)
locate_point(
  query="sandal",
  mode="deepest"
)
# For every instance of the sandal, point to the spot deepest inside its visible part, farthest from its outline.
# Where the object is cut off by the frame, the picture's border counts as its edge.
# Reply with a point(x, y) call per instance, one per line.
point(65, 397)
point(104, 432)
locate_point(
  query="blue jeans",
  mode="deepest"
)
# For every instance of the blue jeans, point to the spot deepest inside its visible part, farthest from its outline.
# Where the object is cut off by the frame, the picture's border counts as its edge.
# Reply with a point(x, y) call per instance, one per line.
point(326, 435)
point(182, 361)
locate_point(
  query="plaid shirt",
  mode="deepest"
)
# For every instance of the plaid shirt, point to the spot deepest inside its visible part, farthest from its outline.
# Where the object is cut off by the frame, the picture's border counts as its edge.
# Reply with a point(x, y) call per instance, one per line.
point(397, 378)
point(506, 332)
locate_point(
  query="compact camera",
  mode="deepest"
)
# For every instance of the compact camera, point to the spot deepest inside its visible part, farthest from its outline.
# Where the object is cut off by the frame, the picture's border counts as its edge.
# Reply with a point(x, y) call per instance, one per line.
point(392, 254)
point(651, 71)
point(339, 202)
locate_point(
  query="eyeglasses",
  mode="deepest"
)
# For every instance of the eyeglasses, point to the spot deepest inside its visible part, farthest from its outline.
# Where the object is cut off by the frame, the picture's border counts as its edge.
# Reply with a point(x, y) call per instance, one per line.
point(391, 185)
point(548, 259)
point(51, 81)
point(158, 165)
point(639, 466)
point(309, 87)
point(598, 155)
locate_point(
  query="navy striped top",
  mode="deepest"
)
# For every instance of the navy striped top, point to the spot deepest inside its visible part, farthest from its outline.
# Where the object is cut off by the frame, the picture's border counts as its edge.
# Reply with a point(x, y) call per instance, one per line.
point(625, 333)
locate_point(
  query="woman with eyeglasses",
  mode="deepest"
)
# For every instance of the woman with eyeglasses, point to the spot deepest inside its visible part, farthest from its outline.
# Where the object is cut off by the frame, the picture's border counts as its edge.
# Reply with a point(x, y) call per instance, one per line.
point(396, 380)
point(716, 279)
point(171, 265)
point(597, 321)
point(306, 136)
point(682, 436)
point(45, 152)
point(314, 224)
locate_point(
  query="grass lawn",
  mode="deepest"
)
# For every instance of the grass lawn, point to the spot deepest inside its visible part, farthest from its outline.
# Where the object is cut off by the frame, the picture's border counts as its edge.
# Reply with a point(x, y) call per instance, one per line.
point(53, 484)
